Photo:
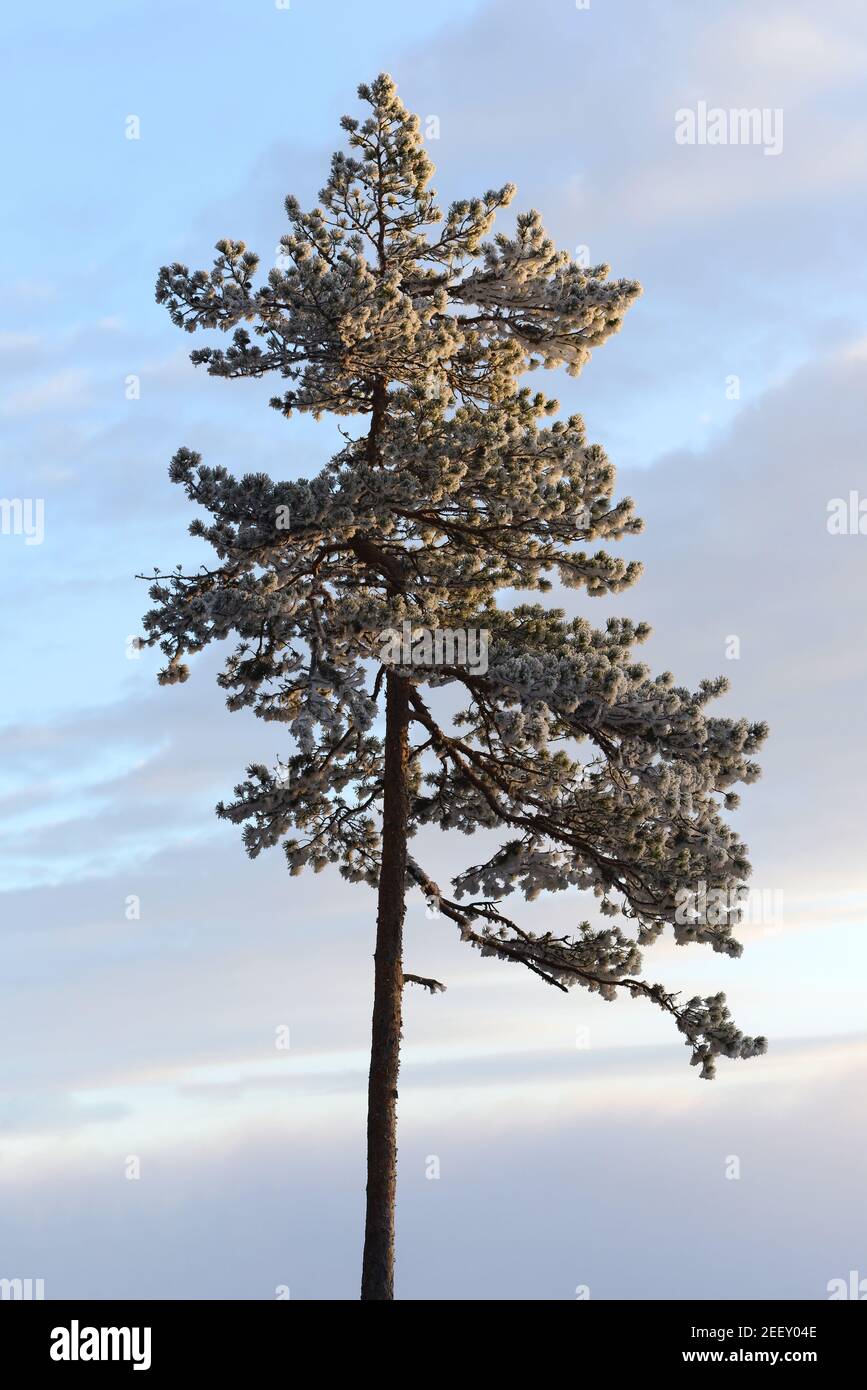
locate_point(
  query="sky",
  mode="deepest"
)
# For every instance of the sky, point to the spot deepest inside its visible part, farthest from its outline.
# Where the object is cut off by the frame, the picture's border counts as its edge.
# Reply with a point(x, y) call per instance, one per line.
point(146, 965)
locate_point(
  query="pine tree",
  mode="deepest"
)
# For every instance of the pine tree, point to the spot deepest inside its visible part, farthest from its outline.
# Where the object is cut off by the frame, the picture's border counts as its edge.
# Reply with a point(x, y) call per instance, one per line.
point(460, 485)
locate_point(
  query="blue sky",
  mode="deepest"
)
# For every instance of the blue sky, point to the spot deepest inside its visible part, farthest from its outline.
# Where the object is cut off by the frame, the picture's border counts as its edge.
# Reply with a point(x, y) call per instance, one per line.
point(154, 1037)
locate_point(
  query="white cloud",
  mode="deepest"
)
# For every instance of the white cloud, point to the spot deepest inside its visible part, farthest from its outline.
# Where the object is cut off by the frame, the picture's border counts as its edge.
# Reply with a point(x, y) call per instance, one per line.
point(68, 387)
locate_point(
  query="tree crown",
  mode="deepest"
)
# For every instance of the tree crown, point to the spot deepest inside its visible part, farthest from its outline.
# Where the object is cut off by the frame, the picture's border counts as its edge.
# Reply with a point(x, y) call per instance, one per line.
point(461, 485)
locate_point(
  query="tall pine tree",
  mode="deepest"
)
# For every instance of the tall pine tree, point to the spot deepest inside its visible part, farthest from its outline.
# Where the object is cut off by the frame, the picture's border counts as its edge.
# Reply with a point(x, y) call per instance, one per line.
point(599, 776)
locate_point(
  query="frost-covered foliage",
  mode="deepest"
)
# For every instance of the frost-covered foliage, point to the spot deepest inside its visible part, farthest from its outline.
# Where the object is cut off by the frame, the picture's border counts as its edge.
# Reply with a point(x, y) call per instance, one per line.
point(599, 775)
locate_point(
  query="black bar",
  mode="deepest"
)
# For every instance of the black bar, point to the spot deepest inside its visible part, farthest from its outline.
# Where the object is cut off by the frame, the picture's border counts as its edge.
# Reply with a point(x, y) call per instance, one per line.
point(223, 1338)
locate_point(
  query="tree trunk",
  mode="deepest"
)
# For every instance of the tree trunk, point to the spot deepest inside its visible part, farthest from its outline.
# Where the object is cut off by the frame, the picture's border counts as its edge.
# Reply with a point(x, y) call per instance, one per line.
point(377, 1280)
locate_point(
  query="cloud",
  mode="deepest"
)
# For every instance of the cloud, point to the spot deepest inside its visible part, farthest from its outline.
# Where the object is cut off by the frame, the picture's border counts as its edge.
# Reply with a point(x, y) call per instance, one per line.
point(64, 388)
point(531, 1203)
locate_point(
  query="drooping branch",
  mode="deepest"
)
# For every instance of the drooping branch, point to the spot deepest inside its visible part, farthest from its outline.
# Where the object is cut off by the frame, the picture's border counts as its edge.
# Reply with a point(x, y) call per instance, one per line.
point(706, 1023)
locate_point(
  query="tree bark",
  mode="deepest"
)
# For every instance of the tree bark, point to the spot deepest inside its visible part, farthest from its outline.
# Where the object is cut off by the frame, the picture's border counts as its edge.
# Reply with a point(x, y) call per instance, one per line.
point(377, 1280)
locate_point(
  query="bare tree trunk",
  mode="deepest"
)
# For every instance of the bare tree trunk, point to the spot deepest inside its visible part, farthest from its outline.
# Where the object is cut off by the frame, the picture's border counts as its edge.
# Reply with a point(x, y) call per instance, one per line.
point(377, 1280)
